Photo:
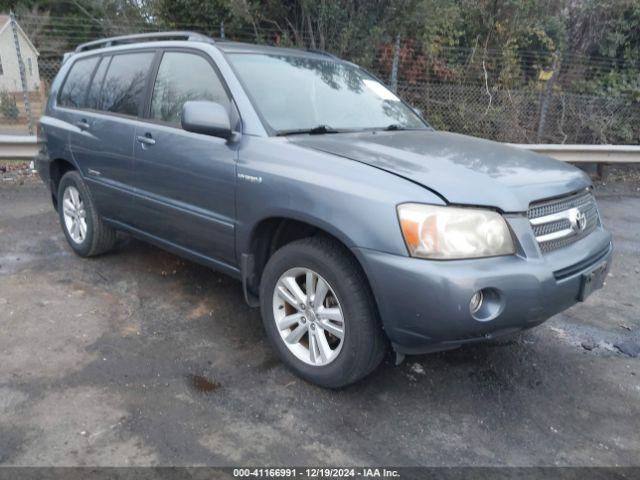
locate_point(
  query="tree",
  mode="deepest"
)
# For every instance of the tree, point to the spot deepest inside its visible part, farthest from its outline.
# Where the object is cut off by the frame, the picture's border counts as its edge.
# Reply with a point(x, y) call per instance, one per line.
point(204, 16)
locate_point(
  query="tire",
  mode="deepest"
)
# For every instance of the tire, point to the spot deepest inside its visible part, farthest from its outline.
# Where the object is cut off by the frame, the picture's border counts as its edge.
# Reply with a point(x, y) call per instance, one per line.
point(363, 344)
point(98, 238)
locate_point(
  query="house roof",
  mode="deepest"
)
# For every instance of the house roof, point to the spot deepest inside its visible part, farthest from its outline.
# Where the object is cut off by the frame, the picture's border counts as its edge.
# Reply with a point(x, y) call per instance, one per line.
point(5, 22)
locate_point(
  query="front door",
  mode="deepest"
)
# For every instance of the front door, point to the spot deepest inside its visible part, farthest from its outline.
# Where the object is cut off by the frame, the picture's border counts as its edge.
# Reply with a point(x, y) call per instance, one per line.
point(185, 182)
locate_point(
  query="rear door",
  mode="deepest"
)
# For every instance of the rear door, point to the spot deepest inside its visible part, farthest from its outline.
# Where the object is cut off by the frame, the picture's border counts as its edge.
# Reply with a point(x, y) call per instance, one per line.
point(102, 142)
point(185, 181)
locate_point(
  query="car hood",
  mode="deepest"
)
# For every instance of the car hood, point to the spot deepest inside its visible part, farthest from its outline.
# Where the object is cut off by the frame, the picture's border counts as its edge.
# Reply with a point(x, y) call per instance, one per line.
point(461, 169)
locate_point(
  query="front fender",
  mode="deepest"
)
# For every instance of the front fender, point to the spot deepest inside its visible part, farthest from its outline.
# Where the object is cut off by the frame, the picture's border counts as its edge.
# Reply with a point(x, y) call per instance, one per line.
point(352, 201)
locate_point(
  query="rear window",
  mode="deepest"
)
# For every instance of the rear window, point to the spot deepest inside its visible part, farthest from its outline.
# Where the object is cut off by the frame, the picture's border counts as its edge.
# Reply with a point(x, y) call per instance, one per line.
point(74, 90)
point(124, 83)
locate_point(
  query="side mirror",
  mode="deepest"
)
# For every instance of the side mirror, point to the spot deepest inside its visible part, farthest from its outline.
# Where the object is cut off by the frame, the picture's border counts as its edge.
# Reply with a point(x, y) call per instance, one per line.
point(208, 118)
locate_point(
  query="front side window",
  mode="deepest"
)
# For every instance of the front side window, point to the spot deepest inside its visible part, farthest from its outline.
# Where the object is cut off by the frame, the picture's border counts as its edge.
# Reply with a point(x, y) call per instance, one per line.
point(183, 77)
point(298, 92)
point(75, 86)
point(123, 86)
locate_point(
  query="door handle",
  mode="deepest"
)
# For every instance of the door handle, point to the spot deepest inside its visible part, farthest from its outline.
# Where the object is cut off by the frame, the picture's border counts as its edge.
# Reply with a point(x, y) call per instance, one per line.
point(146, 139)
point(83, 125)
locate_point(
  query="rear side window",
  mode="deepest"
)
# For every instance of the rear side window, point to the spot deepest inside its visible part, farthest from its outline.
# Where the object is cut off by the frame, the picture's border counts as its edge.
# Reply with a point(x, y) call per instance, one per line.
point(183, 77)
point(74, 90)
point(123, 86)
point(93, 97)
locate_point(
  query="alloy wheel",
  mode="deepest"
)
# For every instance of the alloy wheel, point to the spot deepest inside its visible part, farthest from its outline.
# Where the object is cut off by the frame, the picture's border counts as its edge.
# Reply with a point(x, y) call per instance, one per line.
point(308, 316)
point(75, 215)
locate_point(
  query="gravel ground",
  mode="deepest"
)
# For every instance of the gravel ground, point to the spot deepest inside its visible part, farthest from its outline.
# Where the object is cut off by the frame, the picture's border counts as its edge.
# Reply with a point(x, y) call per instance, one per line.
point(141, 358)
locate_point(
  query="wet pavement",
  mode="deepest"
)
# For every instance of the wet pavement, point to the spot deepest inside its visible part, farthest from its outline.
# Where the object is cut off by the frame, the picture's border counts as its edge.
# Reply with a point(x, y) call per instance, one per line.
point(141, 358)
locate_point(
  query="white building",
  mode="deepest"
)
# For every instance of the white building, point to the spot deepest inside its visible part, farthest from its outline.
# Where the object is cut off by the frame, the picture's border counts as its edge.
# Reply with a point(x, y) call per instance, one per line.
point(9, 69)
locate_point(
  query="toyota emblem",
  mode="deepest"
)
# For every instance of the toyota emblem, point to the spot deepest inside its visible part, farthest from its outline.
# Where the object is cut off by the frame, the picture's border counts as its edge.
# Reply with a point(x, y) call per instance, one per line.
point(578, 221)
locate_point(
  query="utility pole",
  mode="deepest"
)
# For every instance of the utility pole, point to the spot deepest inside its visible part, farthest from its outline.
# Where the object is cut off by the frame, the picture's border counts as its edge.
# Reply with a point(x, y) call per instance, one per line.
point(23, 73)
point(546, 96)
point(395, 65)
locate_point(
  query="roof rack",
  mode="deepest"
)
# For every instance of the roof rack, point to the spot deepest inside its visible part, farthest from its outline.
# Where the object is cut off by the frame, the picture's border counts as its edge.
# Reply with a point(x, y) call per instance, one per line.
point(143, 37)
point(322, 52)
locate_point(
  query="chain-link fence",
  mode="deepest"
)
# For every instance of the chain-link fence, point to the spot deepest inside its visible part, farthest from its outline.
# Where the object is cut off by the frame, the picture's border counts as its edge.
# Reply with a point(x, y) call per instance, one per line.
point(515, 115)
point(532, 97)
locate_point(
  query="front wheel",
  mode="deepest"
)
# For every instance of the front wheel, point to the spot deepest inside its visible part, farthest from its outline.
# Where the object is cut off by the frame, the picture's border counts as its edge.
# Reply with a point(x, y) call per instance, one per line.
point(319, 313)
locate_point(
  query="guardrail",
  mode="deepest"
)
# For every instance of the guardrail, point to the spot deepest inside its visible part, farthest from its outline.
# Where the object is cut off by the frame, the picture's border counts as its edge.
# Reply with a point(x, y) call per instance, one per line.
point(22, 147)
point(18, 147)
point(587, 153)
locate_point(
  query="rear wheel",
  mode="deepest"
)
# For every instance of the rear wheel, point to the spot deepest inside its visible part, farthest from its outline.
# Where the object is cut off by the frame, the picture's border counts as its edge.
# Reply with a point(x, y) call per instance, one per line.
point(319, 313)
point(86, 233)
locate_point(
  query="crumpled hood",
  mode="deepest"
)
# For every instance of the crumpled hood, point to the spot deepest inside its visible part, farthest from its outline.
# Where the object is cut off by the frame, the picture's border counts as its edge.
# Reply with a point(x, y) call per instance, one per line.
point(462, 169)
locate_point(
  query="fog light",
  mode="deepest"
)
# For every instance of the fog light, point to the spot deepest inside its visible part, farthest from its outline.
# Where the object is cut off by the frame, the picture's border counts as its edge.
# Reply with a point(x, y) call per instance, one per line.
point(486, 304)
point(476, 302)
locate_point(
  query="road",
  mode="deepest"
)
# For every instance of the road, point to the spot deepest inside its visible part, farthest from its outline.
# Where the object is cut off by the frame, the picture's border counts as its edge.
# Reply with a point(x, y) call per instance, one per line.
point(142, 358)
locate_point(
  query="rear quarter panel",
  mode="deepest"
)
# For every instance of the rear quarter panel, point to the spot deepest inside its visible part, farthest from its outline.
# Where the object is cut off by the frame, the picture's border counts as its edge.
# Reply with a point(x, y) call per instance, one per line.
point(55, 125)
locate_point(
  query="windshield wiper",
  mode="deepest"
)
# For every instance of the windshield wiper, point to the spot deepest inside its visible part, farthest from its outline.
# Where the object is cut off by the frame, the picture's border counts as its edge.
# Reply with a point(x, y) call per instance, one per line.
point(394, 126)
point(317, 130)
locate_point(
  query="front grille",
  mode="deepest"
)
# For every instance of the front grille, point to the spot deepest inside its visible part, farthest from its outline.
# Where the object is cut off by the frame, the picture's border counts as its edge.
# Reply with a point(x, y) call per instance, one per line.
point(560, 222)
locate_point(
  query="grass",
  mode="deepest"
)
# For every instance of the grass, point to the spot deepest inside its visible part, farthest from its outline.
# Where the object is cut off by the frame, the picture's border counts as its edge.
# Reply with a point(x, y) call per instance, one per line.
point(14, 163)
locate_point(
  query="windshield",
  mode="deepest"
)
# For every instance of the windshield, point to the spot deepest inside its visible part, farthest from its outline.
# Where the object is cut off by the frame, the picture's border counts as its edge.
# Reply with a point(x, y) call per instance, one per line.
point(300, 93)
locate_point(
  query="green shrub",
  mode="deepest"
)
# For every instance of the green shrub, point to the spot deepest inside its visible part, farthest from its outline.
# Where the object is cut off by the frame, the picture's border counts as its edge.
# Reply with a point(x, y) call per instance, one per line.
point(624, 83)
point(8, 106)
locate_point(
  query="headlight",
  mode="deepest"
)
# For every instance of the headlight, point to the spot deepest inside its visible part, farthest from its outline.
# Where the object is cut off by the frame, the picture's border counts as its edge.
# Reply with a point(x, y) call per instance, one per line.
point(445, 233)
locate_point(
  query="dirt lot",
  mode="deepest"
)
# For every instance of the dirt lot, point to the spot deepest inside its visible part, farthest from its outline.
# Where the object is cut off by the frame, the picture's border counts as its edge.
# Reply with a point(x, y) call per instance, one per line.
point(139, 357)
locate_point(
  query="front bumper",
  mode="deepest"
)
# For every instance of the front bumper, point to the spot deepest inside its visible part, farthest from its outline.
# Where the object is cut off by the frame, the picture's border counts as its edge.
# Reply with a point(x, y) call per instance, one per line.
point(424, 304)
